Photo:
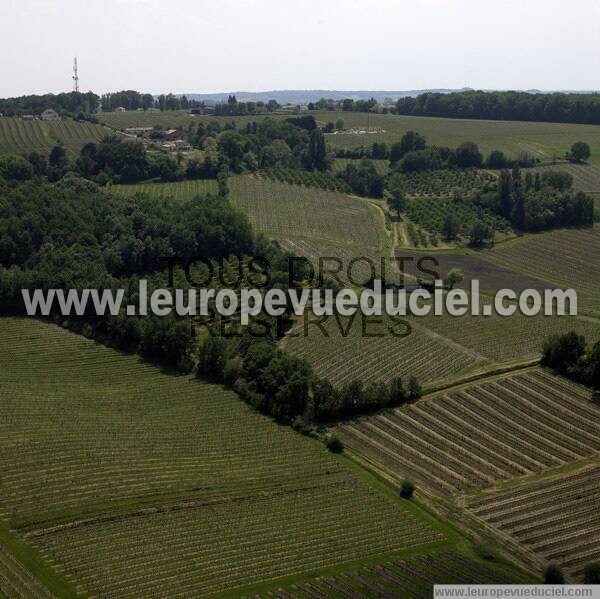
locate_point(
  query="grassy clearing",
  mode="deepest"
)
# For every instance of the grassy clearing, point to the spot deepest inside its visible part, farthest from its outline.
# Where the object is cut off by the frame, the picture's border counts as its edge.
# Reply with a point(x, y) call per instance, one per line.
point(129, 480)
point(19, 136)
point(179, 190)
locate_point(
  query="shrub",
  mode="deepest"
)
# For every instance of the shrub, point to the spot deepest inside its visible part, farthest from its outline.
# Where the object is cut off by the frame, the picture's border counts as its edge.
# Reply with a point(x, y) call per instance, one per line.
point(591, 573)
point(334, 444)
point(407, 489)
point(580, 152)
point(232, 371)
point(553, 575)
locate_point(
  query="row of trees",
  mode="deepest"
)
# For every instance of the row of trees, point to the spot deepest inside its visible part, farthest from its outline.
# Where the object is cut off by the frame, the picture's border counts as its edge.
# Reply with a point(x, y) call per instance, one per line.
point(412, 153)
point(234, 108)
point(509, 106)
point(66, 104)
point(286, 388)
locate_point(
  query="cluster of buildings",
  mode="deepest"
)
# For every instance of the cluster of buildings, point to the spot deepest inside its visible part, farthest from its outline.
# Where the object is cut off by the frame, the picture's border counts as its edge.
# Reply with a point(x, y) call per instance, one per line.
point(48, 115)
point(167, 140)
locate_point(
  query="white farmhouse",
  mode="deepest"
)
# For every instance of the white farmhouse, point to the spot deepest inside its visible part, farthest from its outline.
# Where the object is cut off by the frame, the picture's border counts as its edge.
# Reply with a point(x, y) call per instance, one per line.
point(50, 115)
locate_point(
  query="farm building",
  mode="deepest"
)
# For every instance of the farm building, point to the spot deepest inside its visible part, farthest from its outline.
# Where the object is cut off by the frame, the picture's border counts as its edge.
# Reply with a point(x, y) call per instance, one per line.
point(50, 115)
point(139, 131)
point(203, 110)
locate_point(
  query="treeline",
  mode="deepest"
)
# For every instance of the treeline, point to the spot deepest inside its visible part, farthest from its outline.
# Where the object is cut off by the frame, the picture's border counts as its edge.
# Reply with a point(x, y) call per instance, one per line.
point(134, 100)
point(508, 106)
point(570, 355)
point(347, 105)
point(412, 153)
point(73, 104)
point(286, 388)
point(234, 108)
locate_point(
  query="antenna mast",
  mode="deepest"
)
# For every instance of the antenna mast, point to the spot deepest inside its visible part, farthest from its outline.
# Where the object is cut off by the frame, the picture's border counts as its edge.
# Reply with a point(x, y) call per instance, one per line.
point(75, 76)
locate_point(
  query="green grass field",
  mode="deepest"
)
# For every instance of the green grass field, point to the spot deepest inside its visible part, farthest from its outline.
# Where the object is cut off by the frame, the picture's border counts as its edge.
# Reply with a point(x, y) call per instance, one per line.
point(179, 190)
point(543, 140)
point(19, 136)
point(128, 480)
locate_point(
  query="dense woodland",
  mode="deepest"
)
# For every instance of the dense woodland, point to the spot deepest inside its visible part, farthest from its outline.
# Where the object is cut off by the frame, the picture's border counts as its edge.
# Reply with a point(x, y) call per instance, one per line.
point(505, 106)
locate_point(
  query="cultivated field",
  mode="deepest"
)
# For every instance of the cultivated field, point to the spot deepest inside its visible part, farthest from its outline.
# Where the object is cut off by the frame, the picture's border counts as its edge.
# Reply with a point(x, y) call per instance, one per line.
point(431, 213)
point(437, 348)
point(167, 120)
point(544, 140)
point(556, 518)
point(443, 183)
point(506, 339)
point(133, 481)
point(480, 434)
point(403, 578)
point(567, 258)
point(491, 277)
point(180, 190)
point(340, 164)
point(371, 349)
point(19, 136)
point(324, 180)
point(16, 581)
point(342, 263)
point(281, 210)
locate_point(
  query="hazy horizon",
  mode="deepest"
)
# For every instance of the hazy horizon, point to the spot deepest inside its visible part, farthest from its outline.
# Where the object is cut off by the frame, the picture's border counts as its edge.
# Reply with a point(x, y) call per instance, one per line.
point(187, 46)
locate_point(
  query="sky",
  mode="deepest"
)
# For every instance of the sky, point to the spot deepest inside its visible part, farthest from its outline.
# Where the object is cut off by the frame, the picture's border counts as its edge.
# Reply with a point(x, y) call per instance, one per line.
point(197, 46)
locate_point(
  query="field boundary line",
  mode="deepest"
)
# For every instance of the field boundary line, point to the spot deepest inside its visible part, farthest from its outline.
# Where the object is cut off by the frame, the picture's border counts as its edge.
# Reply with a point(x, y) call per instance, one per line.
point(493, 373)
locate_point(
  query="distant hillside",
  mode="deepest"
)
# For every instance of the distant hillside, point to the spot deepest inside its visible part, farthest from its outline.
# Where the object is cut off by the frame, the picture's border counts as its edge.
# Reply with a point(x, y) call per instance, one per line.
point(303, 96)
